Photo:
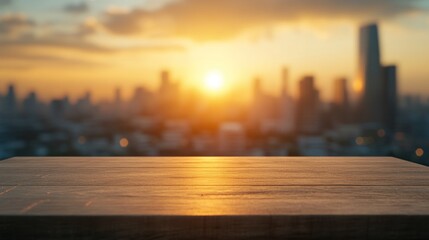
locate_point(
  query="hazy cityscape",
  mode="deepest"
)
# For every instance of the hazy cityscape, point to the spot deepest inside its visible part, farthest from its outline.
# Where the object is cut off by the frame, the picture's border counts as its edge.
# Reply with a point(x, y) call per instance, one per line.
point(174, 122)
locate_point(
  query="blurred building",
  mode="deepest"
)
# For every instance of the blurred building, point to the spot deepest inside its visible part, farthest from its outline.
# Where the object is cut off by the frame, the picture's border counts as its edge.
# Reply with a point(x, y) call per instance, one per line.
point(312, 146)
point(84, 105)
point(118, 102)
point(266, 110)
point(141, 102)
point(118, 96)
point(369, 85)
point(31, 105)
point(287, 116)
point(340, 101)
point(257, 111)
point(231, 139)
point(308, 107)
point(174, 136)
point(10, 105)
point(59, 108)
point(390, 97)
point(168, 96)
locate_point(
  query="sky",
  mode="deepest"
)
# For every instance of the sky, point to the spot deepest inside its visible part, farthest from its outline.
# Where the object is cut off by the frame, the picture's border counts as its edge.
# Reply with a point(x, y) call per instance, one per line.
point(59, 47)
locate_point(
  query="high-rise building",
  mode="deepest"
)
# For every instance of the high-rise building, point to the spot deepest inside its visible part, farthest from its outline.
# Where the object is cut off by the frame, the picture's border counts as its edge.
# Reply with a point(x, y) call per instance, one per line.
point(257, 89)
point(30, 104)
point(308, 107)
point(60, 107)
point(142, 101)
point(285, 82)
point(1, 103)
point(167, 87)
point(341, 97)
point(376, 85)
point(231, 139)
point(168, 96)
point(10, 103)
point(340, 101)
point(286, 123)
point(118, 96)
point(389, 97)
point(256, 107)
point(84, 104)
point(369, 85)
point(260, 109)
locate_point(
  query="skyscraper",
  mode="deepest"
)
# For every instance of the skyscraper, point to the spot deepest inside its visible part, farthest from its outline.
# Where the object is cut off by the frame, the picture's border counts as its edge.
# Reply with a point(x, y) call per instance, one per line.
point(285, 82)
point(340, 97)
point(168, 95)
point(308, 109)
point(60, 107)
point(257, 89)
point(10, 104)
point(369, 85)
point(264, 110)
point(30, 104)
point(257, 108)
point(389, 97)
point(231, 139)
point(340, 101)
point(286, 124)
point(118, 96)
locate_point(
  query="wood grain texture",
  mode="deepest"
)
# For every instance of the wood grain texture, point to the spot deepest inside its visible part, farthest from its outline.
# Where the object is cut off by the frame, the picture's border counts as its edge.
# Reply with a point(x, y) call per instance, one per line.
point(213, 198)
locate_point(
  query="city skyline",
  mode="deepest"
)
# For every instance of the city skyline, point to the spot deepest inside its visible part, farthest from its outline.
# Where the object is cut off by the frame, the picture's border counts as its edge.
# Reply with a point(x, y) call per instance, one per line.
point(170, 120)
point(86, 45)
point(366, 92)
point(376, 101)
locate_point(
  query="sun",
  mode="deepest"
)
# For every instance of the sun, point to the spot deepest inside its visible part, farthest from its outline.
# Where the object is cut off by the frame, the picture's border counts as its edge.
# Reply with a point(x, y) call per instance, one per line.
point(214, 81)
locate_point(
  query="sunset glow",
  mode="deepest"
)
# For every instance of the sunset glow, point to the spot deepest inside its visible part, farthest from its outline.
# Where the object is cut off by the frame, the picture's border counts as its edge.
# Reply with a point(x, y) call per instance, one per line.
point(214, 78)
point(214, 81)
point(100, 45)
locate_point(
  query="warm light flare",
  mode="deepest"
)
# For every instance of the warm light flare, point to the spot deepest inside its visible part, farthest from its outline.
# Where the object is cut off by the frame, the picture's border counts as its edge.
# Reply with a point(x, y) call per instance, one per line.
point(420, 152)
point(124, 142)
point(214, 81)
point(358, 86)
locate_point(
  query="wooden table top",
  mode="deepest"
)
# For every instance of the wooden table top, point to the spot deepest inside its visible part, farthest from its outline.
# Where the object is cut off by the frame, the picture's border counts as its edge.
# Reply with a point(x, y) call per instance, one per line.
point(212, 186)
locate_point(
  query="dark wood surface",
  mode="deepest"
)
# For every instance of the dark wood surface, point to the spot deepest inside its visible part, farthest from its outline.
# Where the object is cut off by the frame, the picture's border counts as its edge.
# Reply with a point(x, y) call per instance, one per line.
point(213, 198)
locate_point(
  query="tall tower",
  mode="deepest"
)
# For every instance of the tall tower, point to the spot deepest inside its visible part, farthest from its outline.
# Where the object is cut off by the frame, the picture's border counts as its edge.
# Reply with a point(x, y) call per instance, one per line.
point(340, 101)
point(30, 104)
point(257, 89)
point(287, 116)
point(369, 85)
point(341, 97)
point(257, 112)
point(118, 96)
point(10, 102)
point(285, 82)
point(165, 81)
point(308, 108)
point(390, 92)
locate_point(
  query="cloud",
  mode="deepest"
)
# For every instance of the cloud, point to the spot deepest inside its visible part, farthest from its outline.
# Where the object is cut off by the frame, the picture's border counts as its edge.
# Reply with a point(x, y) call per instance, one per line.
point(27, 52)
point(220, 19)
point(54, 41)
point(34, 51)
point(20, 67)
point(88, 27)
point(76, 8)
point(14, 23)
point(64, 41)
point(44, 58)
point(19, 32)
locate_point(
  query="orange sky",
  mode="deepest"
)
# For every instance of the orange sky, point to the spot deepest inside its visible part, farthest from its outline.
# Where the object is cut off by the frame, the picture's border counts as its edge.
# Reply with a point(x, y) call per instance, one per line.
point(99, 46)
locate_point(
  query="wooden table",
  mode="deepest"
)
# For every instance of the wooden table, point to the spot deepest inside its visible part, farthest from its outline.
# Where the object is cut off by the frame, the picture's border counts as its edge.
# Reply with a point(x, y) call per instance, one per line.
point(213, 198)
